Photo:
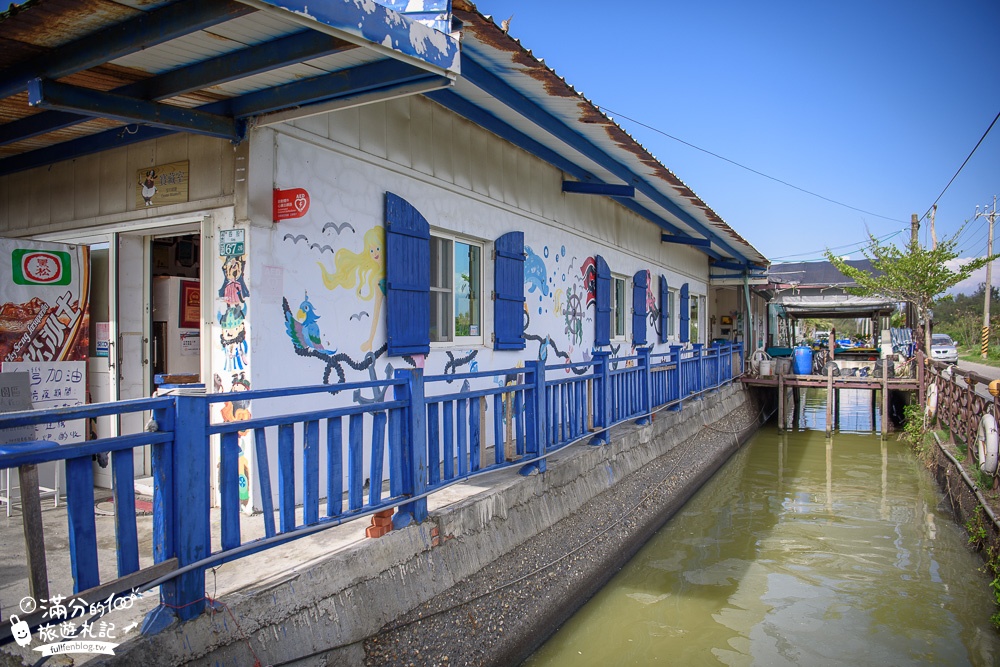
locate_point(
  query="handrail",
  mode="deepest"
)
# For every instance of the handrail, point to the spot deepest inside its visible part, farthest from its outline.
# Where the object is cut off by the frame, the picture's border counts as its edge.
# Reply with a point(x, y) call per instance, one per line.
point(426, 441)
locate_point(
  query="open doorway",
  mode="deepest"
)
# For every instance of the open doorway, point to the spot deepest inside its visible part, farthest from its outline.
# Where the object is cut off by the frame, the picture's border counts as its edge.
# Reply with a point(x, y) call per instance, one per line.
point(145, 325)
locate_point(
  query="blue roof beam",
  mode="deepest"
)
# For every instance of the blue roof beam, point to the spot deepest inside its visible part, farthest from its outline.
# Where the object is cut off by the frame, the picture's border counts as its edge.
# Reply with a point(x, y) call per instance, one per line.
point(734, 266)
point(368, 79)
point(495, 86)
point(53, 95)
point(686, 240)
point(298, 47)
point(377, 27)
point(371, 78)
point(151, 28)
point(451, 100)
point(606, 189)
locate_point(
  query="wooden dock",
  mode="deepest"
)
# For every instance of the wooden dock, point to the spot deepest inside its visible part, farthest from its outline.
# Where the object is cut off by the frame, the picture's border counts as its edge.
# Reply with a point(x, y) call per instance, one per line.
point(833, 384)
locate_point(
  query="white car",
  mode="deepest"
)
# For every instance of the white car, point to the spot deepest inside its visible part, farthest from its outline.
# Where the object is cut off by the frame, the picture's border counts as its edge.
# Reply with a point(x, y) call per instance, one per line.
point(943, 349)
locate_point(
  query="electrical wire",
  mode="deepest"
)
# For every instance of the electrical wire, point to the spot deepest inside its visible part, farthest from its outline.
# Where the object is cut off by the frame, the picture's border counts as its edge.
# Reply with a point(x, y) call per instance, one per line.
point(743, 166)
point(858, 245)
point(968, 157)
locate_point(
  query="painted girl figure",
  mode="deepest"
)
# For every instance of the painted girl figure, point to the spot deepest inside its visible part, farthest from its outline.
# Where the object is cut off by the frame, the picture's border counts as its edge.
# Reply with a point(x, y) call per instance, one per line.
point(364, 272)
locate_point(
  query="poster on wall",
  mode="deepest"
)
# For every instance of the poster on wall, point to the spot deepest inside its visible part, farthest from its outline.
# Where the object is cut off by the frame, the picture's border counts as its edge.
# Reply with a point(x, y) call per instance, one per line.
point(44, 301)
point(162, 184)
point(55, 384)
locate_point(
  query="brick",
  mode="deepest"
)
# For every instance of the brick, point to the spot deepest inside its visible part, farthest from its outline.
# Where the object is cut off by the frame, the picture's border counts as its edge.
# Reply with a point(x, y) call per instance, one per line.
point(375, 531)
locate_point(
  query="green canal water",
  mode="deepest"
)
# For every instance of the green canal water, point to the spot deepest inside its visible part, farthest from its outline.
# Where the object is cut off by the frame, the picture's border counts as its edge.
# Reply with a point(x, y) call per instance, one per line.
point(802, 550)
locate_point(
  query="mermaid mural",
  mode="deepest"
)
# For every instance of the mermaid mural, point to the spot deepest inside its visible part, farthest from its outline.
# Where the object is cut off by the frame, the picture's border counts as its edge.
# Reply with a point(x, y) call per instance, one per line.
point(364, 272)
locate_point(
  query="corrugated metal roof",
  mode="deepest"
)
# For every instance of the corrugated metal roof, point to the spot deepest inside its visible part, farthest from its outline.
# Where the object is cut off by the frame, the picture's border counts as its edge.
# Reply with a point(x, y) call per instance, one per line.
point(192, 53)
point(196, 54)
point(506, 58)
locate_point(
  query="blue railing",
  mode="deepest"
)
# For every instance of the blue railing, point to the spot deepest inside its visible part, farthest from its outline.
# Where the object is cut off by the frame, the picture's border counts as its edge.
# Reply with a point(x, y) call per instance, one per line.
point(420, 435)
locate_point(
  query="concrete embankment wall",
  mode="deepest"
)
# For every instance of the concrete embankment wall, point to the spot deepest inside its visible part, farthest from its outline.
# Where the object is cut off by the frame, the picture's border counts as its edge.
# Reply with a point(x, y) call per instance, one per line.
point(469, 552)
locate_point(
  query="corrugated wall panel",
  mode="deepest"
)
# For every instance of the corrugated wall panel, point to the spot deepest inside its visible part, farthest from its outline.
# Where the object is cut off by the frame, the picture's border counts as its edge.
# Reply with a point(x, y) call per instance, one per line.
point(462, 157)
point(105, 183)
point(86, 187)
point(112, 187)
point(317, 125)
point(511, 190)
point(421, 136)
point(373, 134)
point(494, 167)
point(443, 147)
point(345, 127)
point(62, 198)
point(19, 210)
point(478, 156)
point(397, 129)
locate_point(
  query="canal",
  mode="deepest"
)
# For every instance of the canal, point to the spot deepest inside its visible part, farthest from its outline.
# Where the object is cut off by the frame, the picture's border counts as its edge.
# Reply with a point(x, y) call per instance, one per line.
point(802, 550)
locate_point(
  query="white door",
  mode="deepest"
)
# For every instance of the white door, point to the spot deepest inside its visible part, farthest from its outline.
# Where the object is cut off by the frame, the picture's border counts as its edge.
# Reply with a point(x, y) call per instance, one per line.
point(130, 334)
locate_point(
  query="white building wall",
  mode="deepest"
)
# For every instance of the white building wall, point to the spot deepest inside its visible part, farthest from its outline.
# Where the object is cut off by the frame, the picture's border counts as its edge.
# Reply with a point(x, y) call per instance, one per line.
point(467, 183)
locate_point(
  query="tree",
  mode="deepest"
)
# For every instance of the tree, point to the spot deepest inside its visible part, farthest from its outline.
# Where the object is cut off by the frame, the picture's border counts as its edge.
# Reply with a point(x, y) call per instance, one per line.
point(917, 276)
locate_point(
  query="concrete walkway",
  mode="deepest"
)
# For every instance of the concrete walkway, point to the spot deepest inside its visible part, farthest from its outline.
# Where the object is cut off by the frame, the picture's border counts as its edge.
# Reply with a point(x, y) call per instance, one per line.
point(319, 598)
point(270, 567)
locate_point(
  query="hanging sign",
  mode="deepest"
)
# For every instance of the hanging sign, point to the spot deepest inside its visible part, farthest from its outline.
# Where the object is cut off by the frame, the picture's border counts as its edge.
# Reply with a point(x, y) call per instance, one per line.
point(292, 203)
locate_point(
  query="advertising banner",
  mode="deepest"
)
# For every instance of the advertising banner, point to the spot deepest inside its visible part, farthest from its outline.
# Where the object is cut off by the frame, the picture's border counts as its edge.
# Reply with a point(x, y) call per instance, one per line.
point(44, 301)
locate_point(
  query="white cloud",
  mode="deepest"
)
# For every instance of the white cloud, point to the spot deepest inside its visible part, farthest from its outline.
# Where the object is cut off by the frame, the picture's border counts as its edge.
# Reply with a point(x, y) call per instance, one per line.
point(971, 284)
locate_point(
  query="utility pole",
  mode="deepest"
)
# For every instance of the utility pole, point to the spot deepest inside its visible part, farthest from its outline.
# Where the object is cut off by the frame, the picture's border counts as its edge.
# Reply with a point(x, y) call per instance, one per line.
point(984, 345)
point(911, 310)
point(933, 234)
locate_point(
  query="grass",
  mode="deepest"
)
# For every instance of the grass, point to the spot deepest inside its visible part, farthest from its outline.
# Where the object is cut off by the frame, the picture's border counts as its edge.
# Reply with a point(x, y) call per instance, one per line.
point(972, 355)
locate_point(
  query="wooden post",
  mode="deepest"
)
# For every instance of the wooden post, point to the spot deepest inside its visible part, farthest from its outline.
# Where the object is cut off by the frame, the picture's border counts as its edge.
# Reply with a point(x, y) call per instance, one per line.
point(885, 400)
point(836, 408)
point(796, 405)
point(781, 403)
point(829, 399)
point(34, 539)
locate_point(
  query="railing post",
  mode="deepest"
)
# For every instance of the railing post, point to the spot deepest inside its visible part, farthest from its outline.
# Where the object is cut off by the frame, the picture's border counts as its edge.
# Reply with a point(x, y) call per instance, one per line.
point(646, 378)
point(602, 397)
point(535, 416)
point(185, 531)
point(414, 447)
point(675, 352)
point(699, 353)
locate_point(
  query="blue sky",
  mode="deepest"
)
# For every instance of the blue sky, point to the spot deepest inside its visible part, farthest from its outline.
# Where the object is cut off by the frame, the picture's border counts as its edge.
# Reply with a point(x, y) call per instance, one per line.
point(874, 104)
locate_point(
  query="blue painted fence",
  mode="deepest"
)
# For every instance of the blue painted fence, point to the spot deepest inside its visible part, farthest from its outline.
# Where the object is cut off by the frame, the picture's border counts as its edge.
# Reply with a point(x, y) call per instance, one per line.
point(422, 435)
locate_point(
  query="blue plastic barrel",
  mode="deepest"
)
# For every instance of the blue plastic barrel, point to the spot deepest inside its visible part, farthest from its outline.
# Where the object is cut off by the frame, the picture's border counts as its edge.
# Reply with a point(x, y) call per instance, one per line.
point(803, 360)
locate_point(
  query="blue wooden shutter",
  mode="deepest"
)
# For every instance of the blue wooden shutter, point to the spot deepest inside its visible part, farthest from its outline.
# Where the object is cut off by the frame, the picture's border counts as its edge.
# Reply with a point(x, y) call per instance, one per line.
point(408, 278)
point(639, 283)
point(602, 303)
point(664, 311)
point(685, 314)
point(508, 292)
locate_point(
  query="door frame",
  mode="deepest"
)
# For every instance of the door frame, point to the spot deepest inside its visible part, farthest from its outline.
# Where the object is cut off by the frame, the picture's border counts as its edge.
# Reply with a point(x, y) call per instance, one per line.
point(145, 230)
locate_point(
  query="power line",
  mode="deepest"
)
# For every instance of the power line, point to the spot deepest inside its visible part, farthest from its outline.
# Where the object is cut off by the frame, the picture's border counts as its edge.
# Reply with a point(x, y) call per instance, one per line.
point(857, 245)
point(981, 139)
point(743, 166)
